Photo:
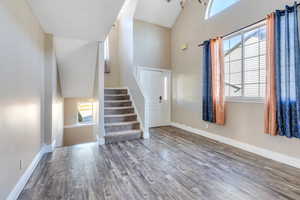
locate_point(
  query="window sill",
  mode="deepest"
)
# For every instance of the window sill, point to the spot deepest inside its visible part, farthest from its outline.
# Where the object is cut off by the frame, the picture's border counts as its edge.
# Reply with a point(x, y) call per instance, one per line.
point(245, 100)
point(80, 125)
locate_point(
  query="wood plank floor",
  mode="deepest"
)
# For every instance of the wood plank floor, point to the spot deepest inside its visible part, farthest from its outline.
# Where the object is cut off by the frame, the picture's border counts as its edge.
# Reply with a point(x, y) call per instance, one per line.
point(173, 164)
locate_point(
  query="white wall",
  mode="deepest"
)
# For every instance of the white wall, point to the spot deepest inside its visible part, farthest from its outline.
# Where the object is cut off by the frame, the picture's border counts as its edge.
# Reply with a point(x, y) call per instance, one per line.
point(99, 130)
point(152, 45)
point(244, 121)
point(112, 79)
point(127, 68)
point(152, 48)
point(54, 121)
point(57, 114)
point(21, 91)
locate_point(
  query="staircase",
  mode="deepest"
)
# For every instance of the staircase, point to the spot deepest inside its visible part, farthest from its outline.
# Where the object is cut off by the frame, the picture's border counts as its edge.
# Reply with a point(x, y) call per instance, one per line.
point(121, 123)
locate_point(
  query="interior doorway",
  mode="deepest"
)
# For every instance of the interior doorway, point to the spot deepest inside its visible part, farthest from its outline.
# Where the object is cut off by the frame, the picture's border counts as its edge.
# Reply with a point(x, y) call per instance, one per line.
point(156, 85)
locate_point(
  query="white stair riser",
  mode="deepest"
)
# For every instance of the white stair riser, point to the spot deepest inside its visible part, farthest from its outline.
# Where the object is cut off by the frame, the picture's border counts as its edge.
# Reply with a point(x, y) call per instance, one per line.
point(120, 119)
point(117, 128)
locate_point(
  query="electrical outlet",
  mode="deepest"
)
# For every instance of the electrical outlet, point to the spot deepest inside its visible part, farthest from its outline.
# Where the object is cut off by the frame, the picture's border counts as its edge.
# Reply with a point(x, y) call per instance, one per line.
point(21, 164)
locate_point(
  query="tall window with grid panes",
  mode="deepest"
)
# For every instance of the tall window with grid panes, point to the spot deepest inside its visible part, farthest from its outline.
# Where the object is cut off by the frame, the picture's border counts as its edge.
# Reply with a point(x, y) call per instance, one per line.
point(245, 64)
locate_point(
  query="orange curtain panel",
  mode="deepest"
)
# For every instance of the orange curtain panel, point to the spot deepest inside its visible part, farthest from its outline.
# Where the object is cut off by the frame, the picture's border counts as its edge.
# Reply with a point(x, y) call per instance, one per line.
point(270, 99)
point(218, 90)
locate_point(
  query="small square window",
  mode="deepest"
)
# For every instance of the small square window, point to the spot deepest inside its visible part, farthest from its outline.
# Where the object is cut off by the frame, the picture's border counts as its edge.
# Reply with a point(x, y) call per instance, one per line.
point(85, 112)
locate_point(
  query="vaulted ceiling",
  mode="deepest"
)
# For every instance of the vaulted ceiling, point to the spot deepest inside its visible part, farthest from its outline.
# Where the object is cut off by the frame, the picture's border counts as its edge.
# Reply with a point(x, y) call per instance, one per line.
point(80, 19)
point(78, 24)
point(160, 12)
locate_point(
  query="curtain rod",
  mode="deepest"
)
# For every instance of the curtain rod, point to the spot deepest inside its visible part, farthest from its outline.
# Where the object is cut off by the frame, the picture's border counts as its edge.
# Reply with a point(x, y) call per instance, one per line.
point(223, 36)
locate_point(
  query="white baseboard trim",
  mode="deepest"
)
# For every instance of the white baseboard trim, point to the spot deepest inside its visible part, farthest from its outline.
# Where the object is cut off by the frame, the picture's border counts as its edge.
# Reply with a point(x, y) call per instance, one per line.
point(47, 148)
point(101, 140)
point(53, 146)
point(146, 135)
point(28, 172)
point(115, 88)
point(279, 157)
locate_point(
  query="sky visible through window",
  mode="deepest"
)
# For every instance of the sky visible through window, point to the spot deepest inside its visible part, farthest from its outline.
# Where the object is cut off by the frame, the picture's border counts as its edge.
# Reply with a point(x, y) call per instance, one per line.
point(219, 5)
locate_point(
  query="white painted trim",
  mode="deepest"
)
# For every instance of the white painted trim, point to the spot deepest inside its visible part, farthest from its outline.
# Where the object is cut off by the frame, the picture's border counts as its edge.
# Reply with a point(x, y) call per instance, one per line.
point(79, 125)
point(47, 148)
point(169, 74)
point(145, 130)
point(14, 194)
point(100, 122)
point(155, 69)
point(245, 100)
point(279, 157)
point(135, 109)
point(208, 9)
point(101, 140)
point(53, 146)
point(115, 88)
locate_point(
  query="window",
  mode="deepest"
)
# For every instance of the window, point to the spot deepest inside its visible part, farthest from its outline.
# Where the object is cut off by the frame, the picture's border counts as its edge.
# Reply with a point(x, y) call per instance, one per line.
point(85, 112)
point(106, 49)
point(166, 88)
point(217, 6)
point(245, 64)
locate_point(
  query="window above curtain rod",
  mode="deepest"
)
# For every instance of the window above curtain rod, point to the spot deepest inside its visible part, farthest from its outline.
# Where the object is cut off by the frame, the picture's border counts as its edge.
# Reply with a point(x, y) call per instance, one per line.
point(223, 36)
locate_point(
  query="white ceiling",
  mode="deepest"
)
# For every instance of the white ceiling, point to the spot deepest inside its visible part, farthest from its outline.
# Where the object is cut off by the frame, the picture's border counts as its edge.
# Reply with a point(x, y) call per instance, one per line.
point(81, 19)
point(158, 12)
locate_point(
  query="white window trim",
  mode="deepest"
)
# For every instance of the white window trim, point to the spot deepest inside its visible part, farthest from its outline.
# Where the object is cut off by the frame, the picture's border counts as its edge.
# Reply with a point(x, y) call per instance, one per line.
point(243, 99)
point(106, 49)
point(208, 9)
